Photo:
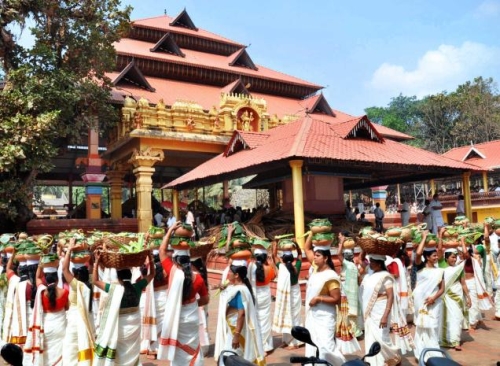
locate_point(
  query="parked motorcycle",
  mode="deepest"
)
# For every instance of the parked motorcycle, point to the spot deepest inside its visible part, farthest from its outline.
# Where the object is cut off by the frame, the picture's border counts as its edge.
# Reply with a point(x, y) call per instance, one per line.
point(443, 360)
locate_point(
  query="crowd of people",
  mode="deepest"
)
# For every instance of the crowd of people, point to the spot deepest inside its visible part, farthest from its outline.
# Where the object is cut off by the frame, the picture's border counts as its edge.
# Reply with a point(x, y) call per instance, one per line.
point(85, 314)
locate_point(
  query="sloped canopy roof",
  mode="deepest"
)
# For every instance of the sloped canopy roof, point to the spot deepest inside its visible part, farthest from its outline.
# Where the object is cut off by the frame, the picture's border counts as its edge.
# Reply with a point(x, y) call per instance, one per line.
point(485, 155)
point(325, 150)
point(167, 44)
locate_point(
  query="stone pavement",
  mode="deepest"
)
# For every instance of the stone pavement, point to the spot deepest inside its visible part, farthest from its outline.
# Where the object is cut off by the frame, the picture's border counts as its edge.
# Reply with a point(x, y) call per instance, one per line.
point(480, 348)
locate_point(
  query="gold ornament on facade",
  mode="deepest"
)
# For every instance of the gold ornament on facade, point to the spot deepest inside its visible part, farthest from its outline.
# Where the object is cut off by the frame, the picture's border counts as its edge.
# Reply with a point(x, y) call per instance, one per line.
point(146, 157)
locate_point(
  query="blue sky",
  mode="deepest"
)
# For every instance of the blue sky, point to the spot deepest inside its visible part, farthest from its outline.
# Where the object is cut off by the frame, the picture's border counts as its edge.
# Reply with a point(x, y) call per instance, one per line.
point(363, 52)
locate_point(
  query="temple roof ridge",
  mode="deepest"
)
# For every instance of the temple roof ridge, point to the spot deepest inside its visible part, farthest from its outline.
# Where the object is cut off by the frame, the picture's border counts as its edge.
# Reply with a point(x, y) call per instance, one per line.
point(170, 45)
point(133, 75)
point(183, 20)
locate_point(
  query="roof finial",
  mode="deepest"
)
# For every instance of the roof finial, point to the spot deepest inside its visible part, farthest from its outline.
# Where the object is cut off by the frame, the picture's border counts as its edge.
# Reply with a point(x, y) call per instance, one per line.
point(165, 11)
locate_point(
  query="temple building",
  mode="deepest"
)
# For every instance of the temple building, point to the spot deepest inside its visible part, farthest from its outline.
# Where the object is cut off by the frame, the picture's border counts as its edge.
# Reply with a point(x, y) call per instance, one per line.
point(183, 91)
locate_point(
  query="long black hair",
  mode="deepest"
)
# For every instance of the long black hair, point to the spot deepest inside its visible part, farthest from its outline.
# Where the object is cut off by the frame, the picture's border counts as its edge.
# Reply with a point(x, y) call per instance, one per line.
point(82, 275)
point(288, 261)
point(242, 271)
point(260, 260)
point(427, 254)
point(159, 275)
point(185, 262)
point(129, 294)
point(31, 272)
point(328, 255)
point(380, 262)
point(12, 354)
point(51, 279)
point(200, 266)
point(4, 264)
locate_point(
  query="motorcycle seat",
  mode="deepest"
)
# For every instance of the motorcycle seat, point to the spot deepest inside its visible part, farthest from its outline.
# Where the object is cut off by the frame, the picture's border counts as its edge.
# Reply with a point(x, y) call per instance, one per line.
point(440, 361)
point(234, 360)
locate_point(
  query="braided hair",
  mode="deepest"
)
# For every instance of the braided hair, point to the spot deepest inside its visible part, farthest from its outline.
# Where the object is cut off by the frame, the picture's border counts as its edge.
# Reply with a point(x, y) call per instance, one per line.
point(185, 262)
point(200, 266)
point(82, 275)
point(129, 294)
point(242, 271)
point(51, 279)
point(31, 272)
point(288, 262)
point(260, 260)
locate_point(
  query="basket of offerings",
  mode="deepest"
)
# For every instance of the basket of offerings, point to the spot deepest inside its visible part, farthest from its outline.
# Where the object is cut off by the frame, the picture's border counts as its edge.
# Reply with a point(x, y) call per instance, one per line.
point(50, 260)
point(184, 231)
point(259, 243)
point(320, 226)
point(204, 246)
point(495, 225)
point(127, 255)
point(115, 241)
point(156, 232)
point(379, 244)
point(239, 248)
point(80, 257)
point(349, 243)
point(323, 239)
point(286, 242)
point(461, 221)
point(182, 243)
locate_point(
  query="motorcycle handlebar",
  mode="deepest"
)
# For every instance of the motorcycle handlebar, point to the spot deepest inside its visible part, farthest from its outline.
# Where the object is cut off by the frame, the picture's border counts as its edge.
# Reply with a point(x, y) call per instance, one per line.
point(308, 360)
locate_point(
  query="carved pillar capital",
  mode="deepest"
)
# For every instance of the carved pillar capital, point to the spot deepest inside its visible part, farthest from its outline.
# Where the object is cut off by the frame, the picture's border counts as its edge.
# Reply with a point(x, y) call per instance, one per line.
point(146, 158)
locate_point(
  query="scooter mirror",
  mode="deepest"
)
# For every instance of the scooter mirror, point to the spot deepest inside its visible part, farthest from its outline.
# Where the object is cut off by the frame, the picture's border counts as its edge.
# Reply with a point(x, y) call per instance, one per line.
point(374, 350)
point(303, 335)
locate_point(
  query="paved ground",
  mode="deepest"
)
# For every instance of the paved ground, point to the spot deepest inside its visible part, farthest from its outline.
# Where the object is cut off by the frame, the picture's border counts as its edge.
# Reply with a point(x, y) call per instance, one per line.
point(480, 348)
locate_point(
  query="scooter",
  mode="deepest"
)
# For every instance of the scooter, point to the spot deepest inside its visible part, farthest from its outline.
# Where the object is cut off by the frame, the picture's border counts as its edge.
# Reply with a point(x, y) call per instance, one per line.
point(443, 360)
point(303, 335)
point(230, 358)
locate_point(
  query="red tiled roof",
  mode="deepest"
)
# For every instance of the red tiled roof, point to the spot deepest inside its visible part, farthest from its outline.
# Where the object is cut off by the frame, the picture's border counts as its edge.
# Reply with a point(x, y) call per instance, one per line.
point(395, 135)
point(490, 150)
point(162, 23)
point(311, 138)
point(141, 49)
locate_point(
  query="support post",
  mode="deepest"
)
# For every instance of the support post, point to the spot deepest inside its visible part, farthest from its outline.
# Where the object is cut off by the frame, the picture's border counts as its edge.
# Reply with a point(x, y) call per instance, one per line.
point(432, 183)
point(143, 162)
point(467, 196)
point(175, 204)
point(298, 200)
point(485, 181)
point(115, 179)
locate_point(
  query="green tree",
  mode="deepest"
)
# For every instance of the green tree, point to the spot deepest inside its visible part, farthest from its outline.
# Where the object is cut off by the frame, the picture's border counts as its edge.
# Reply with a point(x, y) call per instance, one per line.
point(54, 91)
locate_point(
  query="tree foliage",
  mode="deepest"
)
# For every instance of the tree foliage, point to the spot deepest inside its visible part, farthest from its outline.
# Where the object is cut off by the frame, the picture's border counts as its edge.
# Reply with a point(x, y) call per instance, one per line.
point(55, 90)
point(439, 122)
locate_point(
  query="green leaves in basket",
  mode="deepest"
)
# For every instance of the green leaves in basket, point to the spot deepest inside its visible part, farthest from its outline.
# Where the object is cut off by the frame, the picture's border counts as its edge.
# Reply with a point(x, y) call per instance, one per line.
point(176, 241)
point(261, 242)
point(133, 246)
point(80, 254)
point(47, 258)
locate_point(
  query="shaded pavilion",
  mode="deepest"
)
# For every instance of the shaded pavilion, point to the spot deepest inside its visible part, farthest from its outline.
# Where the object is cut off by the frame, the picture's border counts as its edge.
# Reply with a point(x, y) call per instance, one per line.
point(313, 161)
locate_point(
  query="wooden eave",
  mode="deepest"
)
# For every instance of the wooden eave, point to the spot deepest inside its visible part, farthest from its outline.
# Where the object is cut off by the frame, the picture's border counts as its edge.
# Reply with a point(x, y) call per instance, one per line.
point(131, 74)
point(243, 59)
point(183, 20)
point(321, 106)
point(168, 45)
point(472, 153)
point(187, 41)
point(364, 125)
point(212, 76)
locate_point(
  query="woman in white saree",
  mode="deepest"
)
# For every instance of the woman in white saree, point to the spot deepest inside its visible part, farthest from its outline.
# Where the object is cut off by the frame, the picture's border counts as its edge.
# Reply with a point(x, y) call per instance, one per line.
point(322, 296)
point(119, 338)
point(44, 343)
point(180, 340)
point(79, 339)
point(288, 304)
point(237, 323)
point(427, 298)
point(453, 298)
point(381, 311)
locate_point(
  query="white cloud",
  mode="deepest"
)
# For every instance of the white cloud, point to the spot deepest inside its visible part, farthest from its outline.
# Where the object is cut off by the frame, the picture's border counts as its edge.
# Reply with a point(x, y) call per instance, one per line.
point(437, 70)
point(488, 8)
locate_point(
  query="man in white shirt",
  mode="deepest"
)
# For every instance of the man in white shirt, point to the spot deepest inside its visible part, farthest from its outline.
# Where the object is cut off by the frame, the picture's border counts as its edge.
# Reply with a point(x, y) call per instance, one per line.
point(158, 219)
point(460, 205)
point(405, 213)
point(171, 219)
point(437, 216)
point(427, 215)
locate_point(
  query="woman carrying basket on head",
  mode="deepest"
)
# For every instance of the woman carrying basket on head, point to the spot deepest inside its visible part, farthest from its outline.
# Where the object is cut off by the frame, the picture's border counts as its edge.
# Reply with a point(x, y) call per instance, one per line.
point(119, 338)
point(180, 341)
point(79, 339)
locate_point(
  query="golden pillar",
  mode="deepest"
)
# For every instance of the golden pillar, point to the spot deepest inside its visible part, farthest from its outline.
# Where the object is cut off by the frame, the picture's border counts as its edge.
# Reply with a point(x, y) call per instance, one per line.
point(298, 200)
point(467, 197)
point(175, 204)
point(143, 162)
point(399, 194)
point(485, 181)
point(432, 183)
point(115, 179)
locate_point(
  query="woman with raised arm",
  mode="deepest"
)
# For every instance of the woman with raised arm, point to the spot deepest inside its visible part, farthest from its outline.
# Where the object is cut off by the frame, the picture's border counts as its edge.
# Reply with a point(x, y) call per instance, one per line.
point(453, 298)
point(322, 298)
point(427, 297)
point(44, 343)
point(119, 338)
point(288, 304)
point(261, 273)
point(180, 341)
point(79, 339)
point(237, 323)
point(381, 310)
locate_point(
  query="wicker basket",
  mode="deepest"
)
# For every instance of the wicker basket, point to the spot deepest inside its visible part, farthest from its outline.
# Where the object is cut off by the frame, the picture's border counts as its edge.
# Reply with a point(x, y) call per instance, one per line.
point(118, 260)
point(200, 250)
point(110, 242)
point(373, 246)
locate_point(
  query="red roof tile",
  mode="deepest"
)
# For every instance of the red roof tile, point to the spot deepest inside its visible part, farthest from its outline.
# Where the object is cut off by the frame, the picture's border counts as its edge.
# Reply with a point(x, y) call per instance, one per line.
point(162, 23)
point(311, 138)
point(141, 49)
point(490, 151)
